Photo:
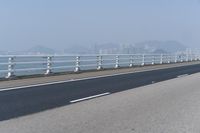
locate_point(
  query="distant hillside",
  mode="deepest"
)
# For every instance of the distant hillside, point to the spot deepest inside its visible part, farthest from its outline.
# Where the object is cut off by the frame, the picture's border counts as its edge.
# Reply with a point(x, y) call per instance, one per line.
point(107, 48)
point(41, 50)
point(77, 49)
point(154, 47)
point(167, 46)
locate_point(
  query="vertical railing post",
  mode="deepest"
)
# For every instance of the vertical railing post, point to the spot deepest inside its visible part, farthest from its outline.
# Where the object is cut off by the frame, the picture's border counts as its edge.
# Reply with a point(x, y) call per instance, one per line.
point(143, 60)
point(187, 57)
point(176, 57)
point(131, 61)
point(11, 67)
point(49, 65)
point(99, 62)
point(168, 58)
point(153, 60)
point(182, 58)
point(117, 61)
point(196, 57)
point(161, 59)
point(77, 67)
point(191, 56)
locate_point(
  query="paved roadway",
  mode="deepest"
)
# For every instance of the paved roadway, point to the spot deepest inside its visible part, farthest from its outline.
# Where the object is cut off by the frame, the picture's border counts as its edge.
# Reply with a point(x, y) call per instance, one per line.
point(83, 74)
point(25, 101)
point(171, 106)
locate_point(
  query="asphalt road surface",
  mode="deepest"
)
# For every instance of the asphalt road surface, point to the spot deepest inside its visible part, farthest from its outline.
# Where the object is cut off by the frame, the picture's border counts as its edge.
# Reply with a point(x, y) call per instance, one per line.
point(25, 101)
point(171, 106)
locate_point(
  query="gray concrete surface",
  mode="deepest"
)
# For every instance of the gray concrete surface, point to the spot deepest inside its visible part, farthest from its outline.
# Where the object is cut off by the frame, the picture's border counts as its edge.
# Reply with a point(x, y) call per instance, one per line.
point(49, 79)
point(171, 106)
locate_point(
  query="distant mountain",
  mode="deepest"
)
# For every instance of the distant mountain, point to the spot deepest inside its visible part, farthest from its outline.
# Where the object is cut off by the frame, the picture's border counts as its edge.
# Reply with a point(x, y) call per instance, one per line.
point(159, 51)
point(40, 50)
point(165, 46)
point(77, 49)
point(154, 47)
point(107, 48)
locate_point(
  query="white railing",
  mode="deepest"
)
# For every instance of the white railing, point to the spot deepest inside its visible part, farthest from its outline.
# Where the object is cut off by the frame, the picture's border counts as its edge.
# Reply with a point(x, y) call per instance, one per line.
point(21, 65)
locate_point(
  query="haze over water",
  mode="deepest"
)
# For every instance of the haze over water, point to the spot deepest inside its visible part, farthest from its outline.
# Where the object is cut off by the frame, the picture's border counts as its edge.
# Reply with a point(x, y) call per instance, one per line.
point(60, 24)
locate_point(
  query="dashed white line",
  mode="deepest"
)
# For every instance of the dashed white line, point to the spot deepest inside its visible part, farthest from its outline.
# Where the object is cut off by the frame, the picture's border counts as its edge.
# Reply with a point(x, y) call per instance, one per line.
point(90, 97)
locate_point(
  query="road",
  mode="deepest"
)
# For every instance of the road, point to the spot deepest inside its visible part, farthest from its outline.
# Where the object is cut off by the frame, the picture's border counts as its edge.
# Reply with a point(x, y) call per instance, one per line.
point(171, 106)
point(52, 78)
point(25, 101)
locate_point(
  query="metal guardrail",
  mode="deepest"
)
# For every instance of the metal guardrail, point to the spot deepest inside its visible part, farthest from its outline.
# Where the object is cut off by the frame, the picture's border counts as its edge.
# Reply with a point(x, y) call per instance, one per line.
point(17, 65)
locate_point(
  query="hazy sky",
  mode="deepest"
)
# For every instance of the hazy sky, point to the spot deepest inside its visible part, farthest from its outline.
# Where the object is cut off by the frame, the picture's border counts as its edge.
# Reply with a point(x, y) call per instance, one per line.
point(60, 23)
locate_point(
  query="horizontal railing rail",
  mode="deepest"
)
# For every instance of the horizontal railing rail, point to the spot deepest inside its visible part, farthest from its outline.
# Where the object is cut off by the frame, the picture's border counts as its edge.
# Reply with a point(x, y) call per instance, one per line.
point(21, 65)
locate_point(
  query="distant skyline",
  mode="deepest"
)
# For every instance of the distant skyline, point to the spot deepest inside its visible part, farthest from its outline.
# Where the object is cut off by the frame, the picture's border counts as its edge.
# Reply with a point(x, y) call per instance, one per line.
point(61, 23)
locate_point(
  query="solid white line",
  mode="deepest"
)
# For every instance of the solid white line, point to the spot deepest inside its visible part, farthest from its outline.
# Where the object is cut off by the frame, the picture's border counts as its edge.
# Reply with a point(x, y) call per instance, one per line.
point(59, 82)
point(182, 75)
point(90, 97)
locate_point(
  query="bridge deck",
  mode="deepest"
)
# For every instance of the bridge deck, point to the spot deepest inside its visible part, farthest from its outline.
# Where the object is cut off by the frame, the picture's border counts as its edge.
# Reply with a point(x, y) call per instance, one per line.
point(67, 77)
point(171, 106)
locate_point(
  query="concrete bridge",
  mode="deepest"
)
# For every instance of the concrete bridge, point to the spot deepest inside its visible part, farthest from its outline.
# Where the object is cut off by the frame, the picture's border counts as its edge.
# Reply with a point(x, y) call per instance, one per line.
point(56, 103)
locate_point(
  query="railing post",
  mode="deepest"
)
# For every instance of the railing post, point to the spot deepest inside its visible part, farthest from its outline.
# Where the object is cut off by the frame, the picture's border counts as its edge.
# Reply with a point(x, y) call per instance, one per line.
point(143, 60)
point(187, 57)
point(117, 62)
point(191, 57)
point(77, 68)
point(49, 64)
point(161, 59)
point(196, 57)
point(153, 60)
point(182, 58)
point(11, 67)
point(99, 62)
point(131, 61)
point(168, 58)
point(176, 57)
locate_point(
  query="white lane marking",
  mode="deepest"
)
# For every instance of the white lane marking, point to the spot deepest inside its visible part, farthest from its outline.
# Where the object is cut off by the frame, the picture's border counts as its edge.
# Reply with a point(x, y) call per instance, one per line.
point(90, 97)
point(60, 82)
point(182, 75)
point(66, 81)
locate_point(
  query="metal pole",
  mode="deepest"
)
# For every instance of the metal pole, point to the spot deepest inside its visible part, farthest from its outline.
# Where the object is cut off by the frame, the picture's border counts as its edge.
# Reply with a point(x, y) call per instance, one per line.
point(153, 60)
point(143, 60)
point(131, 61)
point(175, 58)
point(191, 56)
point(117, 62)
point(77, 68)
point(99, 62)
point(182, 58)
point(168, 57)
point(49, 64)
point(11, 66)
point(161, 59)
point(195, 57)
point(187, 57)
